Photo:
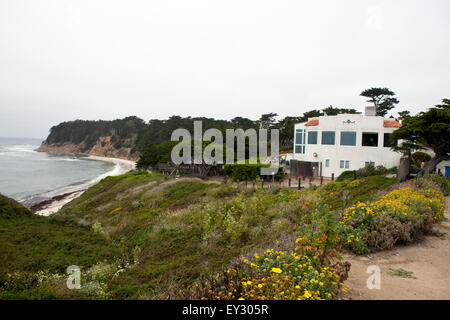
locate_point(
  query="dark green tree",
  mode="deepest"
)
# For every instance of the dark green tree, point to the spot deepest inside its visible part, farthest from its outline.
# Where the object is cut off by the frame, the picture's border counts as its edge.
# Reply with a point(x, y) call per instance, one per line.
point(403, 114)
point(430, 129)
point(382, 98)
point(286, 127)
point(267, 120)
point(243, 123)
point(332, 111)
point(312, 114)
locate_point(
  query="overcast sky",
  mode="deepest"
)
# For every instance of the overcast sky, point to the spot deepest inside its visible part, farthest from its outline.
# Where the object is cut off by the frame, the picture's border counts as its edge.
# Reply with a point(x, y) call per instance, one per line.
point(102, 59)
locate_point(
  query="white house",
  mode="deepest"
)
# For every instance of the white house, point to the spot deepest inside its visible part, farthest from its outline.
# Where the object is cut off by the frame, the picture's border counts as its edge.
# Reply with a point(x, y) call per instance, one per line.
point(346, 142)
point(444, 168)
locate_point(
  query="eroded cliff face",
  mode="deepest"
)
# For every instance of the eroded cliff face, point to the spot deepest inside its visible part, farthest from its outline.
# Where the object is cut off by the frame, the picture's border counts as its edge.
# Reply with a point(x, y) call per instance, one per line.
point(103, 148)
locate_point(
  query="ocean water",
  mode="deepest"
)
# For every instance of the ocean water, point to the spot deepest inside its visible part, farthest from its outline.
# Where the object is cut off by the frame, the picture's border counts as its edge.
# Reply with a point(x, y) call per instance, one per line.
point(30, 177)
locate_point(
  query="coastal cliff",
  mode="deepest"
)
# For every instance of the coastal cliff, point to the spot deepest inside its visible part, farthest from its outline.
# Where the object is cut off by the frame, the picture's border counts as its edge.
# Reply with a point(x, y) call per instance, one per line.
point(104, 147)
point(112, 139)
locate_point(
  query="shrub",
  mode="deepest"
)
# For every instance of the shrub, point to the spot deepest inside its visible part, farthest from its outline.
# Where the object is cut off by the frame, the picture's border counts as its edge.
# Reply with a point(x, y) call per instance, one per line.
point(399, 216)
point(418, 157)
point(312, 271)
point(346, 175)
point(392, 170)
point(367, 171)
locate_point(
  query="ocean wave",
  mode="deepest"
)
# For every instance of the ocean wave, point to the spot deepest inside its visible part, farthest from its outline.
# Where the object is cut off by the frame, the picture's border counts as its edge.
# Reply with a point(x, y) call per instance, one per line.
point(114, 172)
point(74, 187)
point(21, 148)
point(60, 159)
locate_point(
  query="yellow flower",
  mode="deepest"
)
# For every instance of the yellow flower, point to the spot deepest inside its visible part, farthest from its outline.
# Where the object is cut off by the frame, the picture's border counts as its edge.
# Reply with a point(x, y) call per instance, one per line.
point(115, 210)
point(260, 285)
point(276, 270)
point(307, 294)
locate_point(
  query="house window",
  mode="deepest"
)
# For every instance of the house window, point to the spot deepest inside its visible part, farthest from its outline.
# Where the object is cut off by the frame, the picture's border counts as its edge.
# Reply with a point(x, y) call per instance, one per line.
point(388, 141)
point(328, 137)
point(327, 163)
point(370, 163)
point(348, 138)
point(370, 139)
point(344, 164)
point(300, 138)
point(312, 137)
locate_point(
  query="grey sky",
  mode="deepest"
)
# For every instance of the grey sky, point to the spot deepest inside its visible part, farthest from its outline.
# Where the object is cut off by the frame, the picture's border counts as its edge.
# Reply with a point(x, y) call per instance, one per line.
point(102, 59)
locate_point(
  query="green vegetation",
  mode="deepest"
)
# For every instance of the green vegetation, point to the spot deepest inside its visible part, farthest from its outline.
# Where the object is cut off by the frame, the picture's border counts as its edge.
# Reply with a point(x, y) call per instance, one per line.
point(144, 236)
point(122, 131)
point(156, 153)
point(151, 140)
point(429, 129)
point(383, 99)
point(418, 157)
point(367, 171)
point(401, 273)
point(398, 217)
point(32, 246)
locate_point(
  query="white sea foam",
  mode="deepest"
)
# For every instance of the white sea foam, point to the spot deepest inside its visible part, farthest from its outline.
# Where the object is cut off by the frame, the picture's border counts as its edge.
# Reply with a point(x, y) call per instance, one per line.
point(121, 166)
point(21, 148)
point(114, 172)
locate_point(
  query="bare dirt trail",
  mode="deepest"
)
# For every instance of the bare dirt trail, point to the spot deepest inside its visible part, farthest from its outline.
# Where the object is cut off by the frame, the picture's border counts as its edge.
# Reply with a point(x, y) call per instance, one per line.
point(429, 260)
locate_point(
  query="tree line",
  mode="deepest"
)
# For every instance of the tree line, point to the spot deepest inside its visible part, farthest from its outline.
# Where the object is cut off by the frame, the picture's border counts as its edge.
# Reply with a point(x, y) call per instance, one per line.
point(151, 140)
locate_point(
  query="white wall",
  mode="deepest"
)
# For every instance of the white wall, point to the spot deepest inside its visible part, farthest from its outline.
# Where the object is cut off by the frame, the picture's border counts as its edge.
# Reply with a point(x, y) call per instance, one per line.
point(357, 155)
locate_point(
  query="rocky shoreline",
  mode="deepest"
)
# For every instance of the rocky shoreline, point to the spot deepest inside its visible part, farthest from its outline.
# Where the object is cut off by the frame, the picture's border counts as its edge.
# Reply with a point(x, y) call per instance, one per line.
point(46, 203)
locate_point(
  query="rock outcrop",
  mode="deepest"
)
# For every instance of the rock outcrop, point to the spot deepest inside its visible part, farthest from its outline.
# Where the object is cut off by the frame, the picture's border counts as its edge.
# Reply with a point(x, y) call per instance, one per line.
point(102, 148)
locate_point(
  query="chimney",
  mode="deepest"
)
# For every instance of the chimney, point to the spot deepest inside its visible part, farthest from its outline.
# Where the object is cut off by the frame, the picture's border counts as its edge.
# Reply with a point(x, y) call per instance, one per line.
point(370, 111)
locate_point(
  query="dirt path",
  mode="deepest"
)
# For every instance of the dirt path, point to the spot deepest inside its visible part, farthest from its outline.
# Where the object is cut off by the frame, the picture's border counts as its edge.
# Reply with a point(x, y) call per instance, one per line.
point(429, 260)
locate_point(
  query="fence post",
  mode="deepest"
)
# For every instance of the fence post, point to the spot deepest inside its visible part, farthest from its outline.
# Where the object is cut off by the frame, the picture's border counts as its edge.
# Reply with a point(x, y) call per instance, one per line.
point(354, 174)
point(299, 183)
point(289, 183)
point(332, 177)
point(321, 180)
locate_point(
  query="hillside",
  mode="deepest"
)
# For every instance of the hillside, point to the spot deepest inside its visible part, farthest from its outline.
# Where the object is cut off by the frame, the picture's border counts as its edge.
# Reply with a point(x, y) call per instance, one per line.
point(156, 237)
point(167, 231)
point(32, 247)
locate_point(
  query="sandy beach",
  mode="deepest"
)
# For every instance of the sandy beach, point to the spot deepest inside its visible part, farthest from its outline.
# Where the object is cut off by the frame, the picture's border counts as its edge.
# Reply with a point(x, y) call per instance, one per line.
point(51, 206)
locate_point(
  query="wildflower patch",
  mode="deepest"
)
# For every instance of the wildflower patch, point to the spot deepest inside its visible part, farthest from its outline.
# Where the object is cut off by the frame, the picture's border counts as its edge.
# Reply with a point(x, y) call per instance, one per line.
point(397, 217)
